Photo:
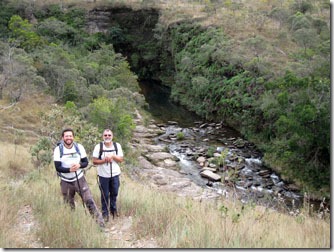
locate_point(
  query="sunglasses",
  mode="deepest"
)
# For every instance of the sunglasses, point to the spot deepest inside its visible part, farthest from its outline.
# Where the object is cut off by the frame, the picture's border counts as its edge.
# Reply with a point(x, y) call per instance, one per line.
point(107, 135)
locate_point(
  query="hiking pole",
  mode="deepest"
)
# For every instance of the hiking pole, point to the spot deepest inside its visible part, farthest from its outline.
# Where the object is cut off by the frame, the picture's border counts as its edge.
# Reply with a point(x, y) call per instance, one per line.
point(112, 189)
point(102, 192)
point(83, 203)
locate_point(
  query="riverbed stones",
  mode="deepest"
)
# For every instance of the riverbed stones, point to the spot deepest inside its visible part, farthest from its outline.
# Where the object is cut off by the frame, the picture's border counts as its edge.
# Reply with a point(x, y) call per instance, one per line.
point(209, 169)
point(153, 148)
point(156, 157)
point(210, 175)
point(242, 170)
point(201, 160)
point(160, 169)
point(168, 163)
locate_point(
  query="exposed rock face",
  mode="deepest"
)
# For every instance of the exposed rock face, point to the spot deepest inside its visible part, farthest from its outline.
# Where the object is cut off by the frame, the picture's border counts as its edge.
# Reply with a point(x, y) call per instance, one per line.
point(101, 19)
point(132, 34)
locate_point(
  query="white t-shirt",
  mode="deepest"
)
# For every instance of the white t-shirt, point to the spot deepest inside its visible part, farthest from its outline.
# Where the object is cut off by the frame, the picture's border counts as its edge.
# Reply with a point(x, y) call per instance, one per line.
point(70, 156)
point(103, 170)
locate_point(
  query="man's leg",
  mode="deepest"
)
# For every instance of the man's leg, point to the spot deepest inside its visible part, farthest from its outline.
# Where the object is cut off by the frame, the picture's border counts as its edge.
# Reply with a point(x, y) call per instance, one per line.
point(68, 192)
point(104, 187)
point(88, 199)
point(113, 195)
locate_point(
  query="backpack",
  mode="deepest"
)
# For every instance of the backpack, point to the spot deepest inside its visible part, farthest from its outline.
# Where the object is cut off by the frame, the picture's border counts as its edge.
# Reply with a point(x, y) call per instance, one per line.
point(101, 149)
point(61, 151)
point(61, 148)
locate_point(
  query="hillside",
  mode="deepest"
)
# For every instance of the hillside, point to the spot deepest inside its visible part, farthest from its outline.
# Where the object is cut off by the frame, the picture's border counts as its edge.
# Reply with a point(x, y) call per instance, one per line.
point(150, 216)
point(261, 67)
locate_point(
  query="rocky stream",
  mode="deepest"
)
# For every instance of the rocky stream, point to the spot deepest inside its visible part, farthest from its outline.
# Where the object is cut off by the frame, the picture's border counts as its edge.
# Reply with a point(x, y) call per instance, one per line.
point(207, 161)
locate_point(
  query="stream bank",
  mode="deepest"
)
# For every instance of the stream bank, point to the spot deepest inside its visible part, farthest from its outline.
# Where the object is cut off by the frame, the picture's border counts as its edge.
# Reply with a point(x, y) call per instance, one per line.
point(171, 164)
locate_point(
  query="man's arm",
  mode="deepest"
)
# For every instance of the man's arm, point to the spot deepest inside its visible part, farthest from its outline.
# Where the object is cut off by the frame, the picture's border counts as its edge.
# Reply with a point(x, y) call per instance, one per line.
point(59, 168)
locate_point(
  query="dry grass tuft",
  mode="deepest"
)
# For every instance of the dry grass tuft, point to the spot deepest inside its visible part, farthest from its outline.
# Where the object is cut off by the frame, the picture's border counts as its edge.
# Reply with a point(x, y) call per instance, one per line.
point(20, 122)
point(15, 161)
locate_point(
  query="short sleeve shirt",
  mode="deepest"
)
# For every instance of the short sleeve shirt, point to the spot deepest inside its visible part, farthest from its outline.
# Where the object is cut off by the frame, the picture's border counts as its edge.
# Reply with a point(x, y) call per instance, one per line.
point(70, 156)
point(105, 170)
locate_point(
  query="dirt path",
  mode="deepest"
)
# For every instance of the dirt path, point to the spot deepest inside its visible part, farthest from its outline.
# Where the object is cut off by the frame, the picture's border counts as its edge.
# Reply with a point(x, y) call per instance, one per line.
point(119, 229)
point(24, 230)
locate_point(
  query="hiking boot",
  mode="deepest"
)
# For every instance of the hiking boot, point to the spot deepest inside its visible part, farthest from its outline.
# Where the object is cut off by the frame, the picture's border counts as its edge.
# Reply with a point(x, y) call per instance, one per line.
point(114, 213)
point(101, 223)
point(106, 218)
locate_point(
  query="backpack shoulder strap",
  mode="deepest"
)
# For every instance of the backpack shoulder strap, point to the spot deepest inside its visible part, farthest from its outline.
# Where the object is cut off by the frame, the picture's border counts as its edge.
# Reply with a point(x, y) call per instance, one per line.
point(76, 146)
point(115, 147)
point(61, 148)
point(101, 150)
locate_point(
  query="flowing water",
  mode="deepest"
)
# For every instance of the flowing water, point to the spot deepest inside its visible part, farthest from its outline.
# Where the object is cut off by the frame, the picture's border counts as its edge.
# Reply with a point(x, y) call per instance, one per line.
point(250, 186)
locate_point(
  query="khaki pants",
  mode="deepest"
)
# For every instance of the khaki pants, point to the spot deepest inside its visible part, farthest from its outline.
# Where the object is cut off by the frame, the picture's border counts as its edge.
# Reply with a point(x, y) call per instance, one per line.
point(68, 189)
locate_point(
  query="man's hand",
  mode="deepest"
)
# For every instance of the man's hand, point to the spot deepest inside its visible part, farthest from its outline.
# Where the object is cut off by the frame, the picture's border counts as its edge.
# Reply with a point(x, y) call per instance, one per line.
point(109, 158)
point(74, 167)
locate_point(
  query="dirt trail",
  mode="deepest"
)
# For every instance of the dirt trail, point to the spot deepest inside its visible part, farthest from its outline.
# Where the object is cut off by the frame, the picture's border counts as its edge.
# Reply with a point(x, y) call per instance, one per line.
point(119, 229)
point(24, 230)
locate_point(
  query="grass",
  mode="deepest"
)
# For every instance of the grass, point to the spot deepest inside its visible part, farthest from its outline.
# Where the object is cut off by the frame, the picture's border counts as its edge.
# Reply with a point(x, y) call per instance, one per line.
point(19, 123)
point(175, 222)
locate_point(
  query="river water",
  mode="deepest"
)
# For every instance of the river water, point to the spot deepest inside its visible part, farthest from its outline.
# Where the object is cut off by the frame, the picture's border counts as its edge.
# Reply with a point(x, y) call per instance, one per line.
point(163, 110)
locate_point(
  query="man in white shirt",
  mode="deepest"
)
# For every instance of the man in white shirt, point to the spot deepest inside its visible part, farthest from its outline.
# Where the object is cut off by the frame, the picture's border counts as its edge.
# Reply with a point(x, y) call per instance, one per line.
point(69, 160)
point(107, 155)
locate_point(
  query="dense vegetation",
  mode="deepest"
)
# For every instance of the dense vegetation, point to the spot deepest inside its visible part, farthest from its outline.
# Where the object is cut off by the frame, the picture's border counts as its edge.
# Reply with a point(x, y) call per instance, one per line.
point(279, 100)
point(287, 116)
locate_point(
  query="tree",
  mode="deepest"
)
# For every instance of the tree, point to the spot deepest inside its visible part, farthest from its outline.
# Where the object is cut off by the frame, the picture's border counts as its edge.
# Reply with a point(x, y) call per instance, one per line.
point(17, 73)
point(56, 31)
point(23, 33)
point(280, 15)
point(113, 114)
point(307, 38)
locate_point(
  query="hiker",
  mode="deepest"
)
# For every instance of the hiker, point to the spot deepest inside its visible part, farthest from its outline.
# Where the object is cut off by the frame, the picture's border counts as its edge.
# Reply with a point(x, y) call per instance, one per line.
point(107, 155)
point(69, 159)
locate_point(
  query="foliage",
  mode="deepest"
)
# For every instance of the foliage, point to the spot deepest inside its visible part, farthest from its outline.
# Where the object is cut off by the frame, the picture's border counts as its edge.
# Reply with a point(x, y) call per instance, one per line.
point(293, 110)
point(180, 135)
point(6, 12)
point(205, 82)
point(18, 75)
point(69, 74)
point(219, 70)
point(23, 34)
point(57, 65)
point(107, 68)
point(59, 118)
point(72, 16)
point(56, 31)
point(282, 118)
point(113, 114)
point(41, 152)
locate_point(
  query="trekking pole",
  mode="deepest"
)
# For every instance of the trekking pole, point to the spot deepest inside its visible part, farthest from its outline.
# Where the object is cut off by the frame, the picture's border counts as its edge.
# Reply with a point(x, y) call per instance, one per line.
point(83, 203)
point(112, 188)
point(102, 192)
